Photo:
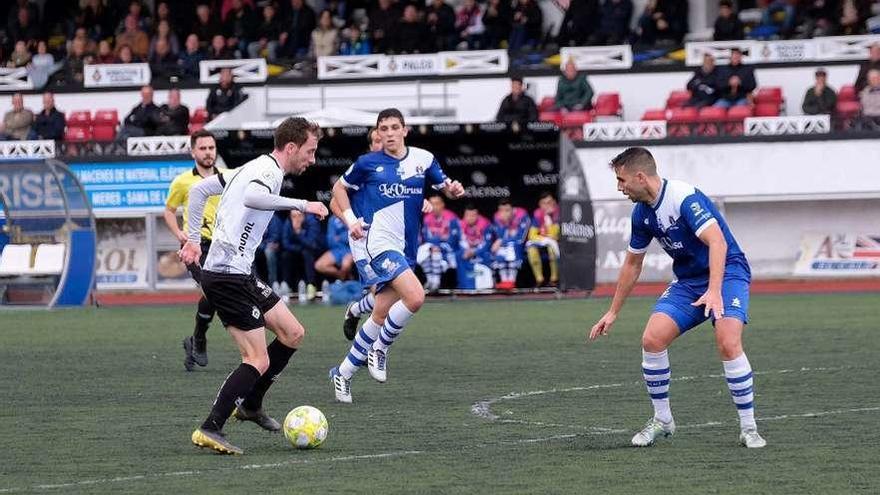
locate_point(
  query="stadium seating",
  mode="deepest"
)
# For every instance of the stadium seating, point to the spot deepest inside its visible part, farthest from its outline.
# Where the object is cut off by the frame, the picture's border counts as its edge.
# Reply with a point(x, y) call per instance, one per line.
point(74, 134)
point(655, 114)
point(770, 96)
point(847, 93)
point(576, 118)
point(79, 118)
point(681, 120)
point(15, 260)
point(766, 110)
point(49, 259)
point(104, 125)
point(551, 116)
point(710, 120)
point(677, 99)
point(608, 105)
point(547, 104)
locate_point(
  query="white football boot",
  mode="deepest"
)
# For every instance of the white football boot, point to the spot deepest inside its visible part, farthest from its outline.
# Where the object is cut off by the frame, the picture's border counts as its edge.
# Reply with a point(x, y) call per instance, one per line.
point(653, 428)
point(341, 386)
point(377, 363)
point(751, 439)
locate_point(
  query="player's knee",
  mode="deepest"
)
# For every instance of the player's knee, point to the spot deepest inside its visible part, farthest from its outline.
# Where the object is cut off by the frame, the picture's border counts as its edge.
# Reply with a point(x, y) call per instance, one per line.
point(729, 348)
point(292, 334)
point(652, 343)
point(261, 363)
point(414, 301)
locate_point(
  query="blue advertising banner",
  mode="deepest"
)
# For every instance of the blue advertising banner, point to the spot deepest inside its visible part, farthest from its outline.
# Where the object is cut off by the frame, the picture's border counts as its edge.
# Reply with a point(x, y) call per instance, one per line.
point(141, 185)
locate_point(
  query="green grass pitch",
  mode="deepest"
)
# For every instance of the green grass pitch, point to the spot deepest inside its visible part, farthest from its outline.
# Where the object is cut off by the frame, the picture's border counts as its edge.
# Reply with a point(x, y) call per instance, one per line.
point(482, 397)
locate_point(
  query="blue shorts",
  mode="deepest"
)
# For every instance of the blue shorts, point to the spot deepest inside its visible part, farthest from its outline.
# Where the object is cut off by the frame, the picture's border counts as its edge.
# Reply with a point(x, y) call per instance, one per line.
point(677, 298)
point(382, 269)
point(339, 254)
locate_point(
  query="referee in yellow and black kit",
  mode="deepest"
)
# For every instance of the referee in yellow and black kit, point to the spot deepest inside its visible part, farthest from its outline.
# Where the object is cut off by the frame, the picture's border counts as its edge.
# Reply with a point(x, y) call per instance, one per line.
point(204, 152)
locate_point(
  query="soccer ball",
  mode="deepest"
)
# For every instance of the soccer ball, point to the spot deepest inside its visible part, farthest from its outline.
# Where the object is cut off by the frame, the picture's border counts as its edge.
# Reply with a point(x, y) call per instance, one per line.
point(305, 427)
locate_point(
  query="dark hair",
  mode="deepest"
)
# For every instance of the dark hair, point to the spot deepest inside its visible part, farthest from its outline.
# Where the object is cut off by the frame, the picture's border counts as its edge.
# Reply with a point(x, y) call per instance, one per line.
point(725, 3)
point(736, 49)
point(516, 79)
point(470, 206)
point(504, 201)
point(295, 130)
point(635, 159)
point(201, 133)
point(390, 113)
point(546, 194)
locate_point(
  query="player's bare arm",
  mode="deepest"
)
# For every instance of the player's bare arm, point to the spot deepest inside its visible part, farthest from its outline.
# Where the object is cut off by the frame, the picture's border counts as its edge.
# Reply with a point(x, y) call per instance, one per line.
point(711, 299)
point(453, 189)
point(626, 280)
point(342, 209)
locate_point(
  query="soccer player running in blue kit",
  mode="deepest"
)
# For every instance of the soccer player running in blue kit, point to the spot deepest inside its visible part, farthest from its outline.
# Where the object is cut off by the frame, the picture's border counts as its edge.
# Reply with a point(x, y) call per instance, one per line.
point(387, 215)
point(712, 281)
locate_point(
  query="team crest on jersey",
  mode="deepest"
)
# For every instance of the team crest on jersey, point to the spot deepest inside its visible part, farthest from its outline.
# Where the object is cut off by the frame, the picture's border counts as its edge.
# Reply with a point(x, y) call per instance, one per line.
point(264, 288)
point(389, 266)
point(255, 312)
point(696, 208)
point(735, 303)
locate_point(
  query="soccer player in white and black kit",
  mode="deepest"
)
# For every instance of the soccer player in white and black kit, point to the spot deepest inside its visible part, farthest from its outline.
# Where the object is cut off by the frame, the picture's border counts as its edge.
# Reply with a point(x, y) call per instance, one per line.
point(245, 305)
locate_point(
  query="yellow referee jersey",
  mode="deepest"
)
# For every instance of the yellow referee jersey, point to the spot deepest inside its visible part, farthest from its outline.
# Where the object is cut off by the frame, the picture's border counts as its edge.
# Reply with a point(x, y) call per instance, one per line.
point(178, 195)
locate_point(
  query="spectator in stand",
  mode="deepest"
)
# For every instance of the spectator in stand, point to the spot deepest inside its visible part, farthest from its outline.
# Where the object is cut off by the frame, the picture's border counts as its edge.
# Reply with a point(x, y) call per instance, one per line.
point(704, 84)
point(820, 99)
point(355, 42)
point(819, 18)
point(139, 13)
point(172, 119)
point(869, 97)
point(82, 34)
point(18, 121)
point(239, 26)
point(779, 18)
point(141, 121)
point(573, 91)
point(219, 49)
point(525, 32)
point(124, 55)
point(96, 16)
point(517, 106)
point(224, 97)
point(300, 240)
point(873, 62)
point(737, 81)
point(49, 123)
point(42, 65)
point(469, 24)
point(134, 38)
point(663, 22)
point(296, 35)
point(267, 33)
point(190, 57)
point(337, 262)
point(383, 21)
point(20, 56)
point(613, 23)
point(25, 27)
point(496, 19)
point(580, 22)
point(105, 53)
point(409, 34)
point(207, 25)
point(163, 14)
point(325, 37)
point(440, 19)
point(164, 32)
point(163, 63)
point(76, 61)
point(853, 15)
point(727, 24)
point(271, 249)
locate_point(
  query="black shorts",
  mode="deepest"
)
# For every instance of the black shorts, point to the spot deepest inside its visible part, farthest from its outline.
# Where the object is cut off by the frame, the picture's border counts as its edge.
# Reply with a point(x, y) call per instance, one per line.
point(240, 300)
point(196, 270)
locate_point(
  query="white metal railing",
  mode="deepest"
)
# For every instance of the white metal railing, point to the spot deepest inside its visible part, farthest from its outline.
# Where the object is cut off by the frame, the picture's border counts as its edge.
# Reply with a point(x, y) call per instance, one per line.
point(816, 49)
point(598, 57)
point(14, 79)
point(157, 145)
point(378, 65)
point(625, 131)
point(777, 126)
point(27, 149)
point(246, 70)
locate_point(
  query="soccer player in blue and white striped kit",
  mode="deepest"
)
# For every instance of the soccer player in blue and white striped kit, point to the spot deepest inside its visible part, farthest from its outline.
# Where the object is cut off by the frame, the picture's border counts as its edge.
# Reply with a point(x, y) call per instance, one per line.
point(712, 281)
point(387, 214)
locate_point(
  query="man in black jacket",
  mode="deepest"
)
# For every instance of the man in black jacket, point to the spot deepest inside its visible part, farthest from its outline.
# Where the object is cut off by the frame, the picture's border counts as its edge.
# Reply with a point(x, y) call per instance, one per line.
point(141, 121)
point(49, 123)
point(736, 82)
point(704, 84)
point(517, 106)
point(873, 62)
point(172, 119)
point(224, 97)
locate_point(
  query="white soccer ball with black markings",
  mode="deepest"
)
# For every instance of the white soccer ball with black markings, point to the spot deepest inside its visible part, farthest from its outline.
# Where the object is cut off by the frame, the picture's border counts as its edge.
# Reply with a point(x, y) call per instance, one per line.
point(306, 427)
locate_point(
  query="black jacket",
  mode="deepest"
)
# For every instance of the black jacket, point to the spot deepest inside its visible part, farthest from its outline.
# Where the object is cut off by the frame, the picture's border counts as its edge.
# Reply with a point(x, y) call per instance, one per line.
point(746, 75)
point(172, 121)
point(523, 109)
point(222, 100)
point(143, 117)
point(49, 126)
point(704, 87)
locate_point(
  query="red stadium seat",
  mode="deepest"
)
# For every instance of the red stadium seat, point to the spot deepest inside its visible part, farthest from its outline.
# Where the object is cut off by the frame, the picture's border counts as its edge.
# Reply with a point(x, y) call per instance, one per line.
point(608, 105)
point(677, 99)
point(848, 109)
point(75, 134)
point(199, 116)
point(576, 119)
point(739, 112)
point(847, 93)
point(79, 118)
point(680, 121)
point(766, 110)
point(769, 95)
point(712, 114)
point(106, 118)
point(547, 104)
point(655, 114)
point(551, 116)
point(104, 133)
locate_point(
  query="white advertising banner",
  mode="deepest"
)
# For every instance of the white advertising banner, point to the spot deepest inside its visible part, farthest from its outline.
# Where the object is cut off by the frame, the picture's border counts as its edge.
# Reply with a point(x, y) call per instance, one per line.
point(116, 75)
point(122, 254)
point(613, 228)
point(410, 65)
point(834, 169)
point(839, 255)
